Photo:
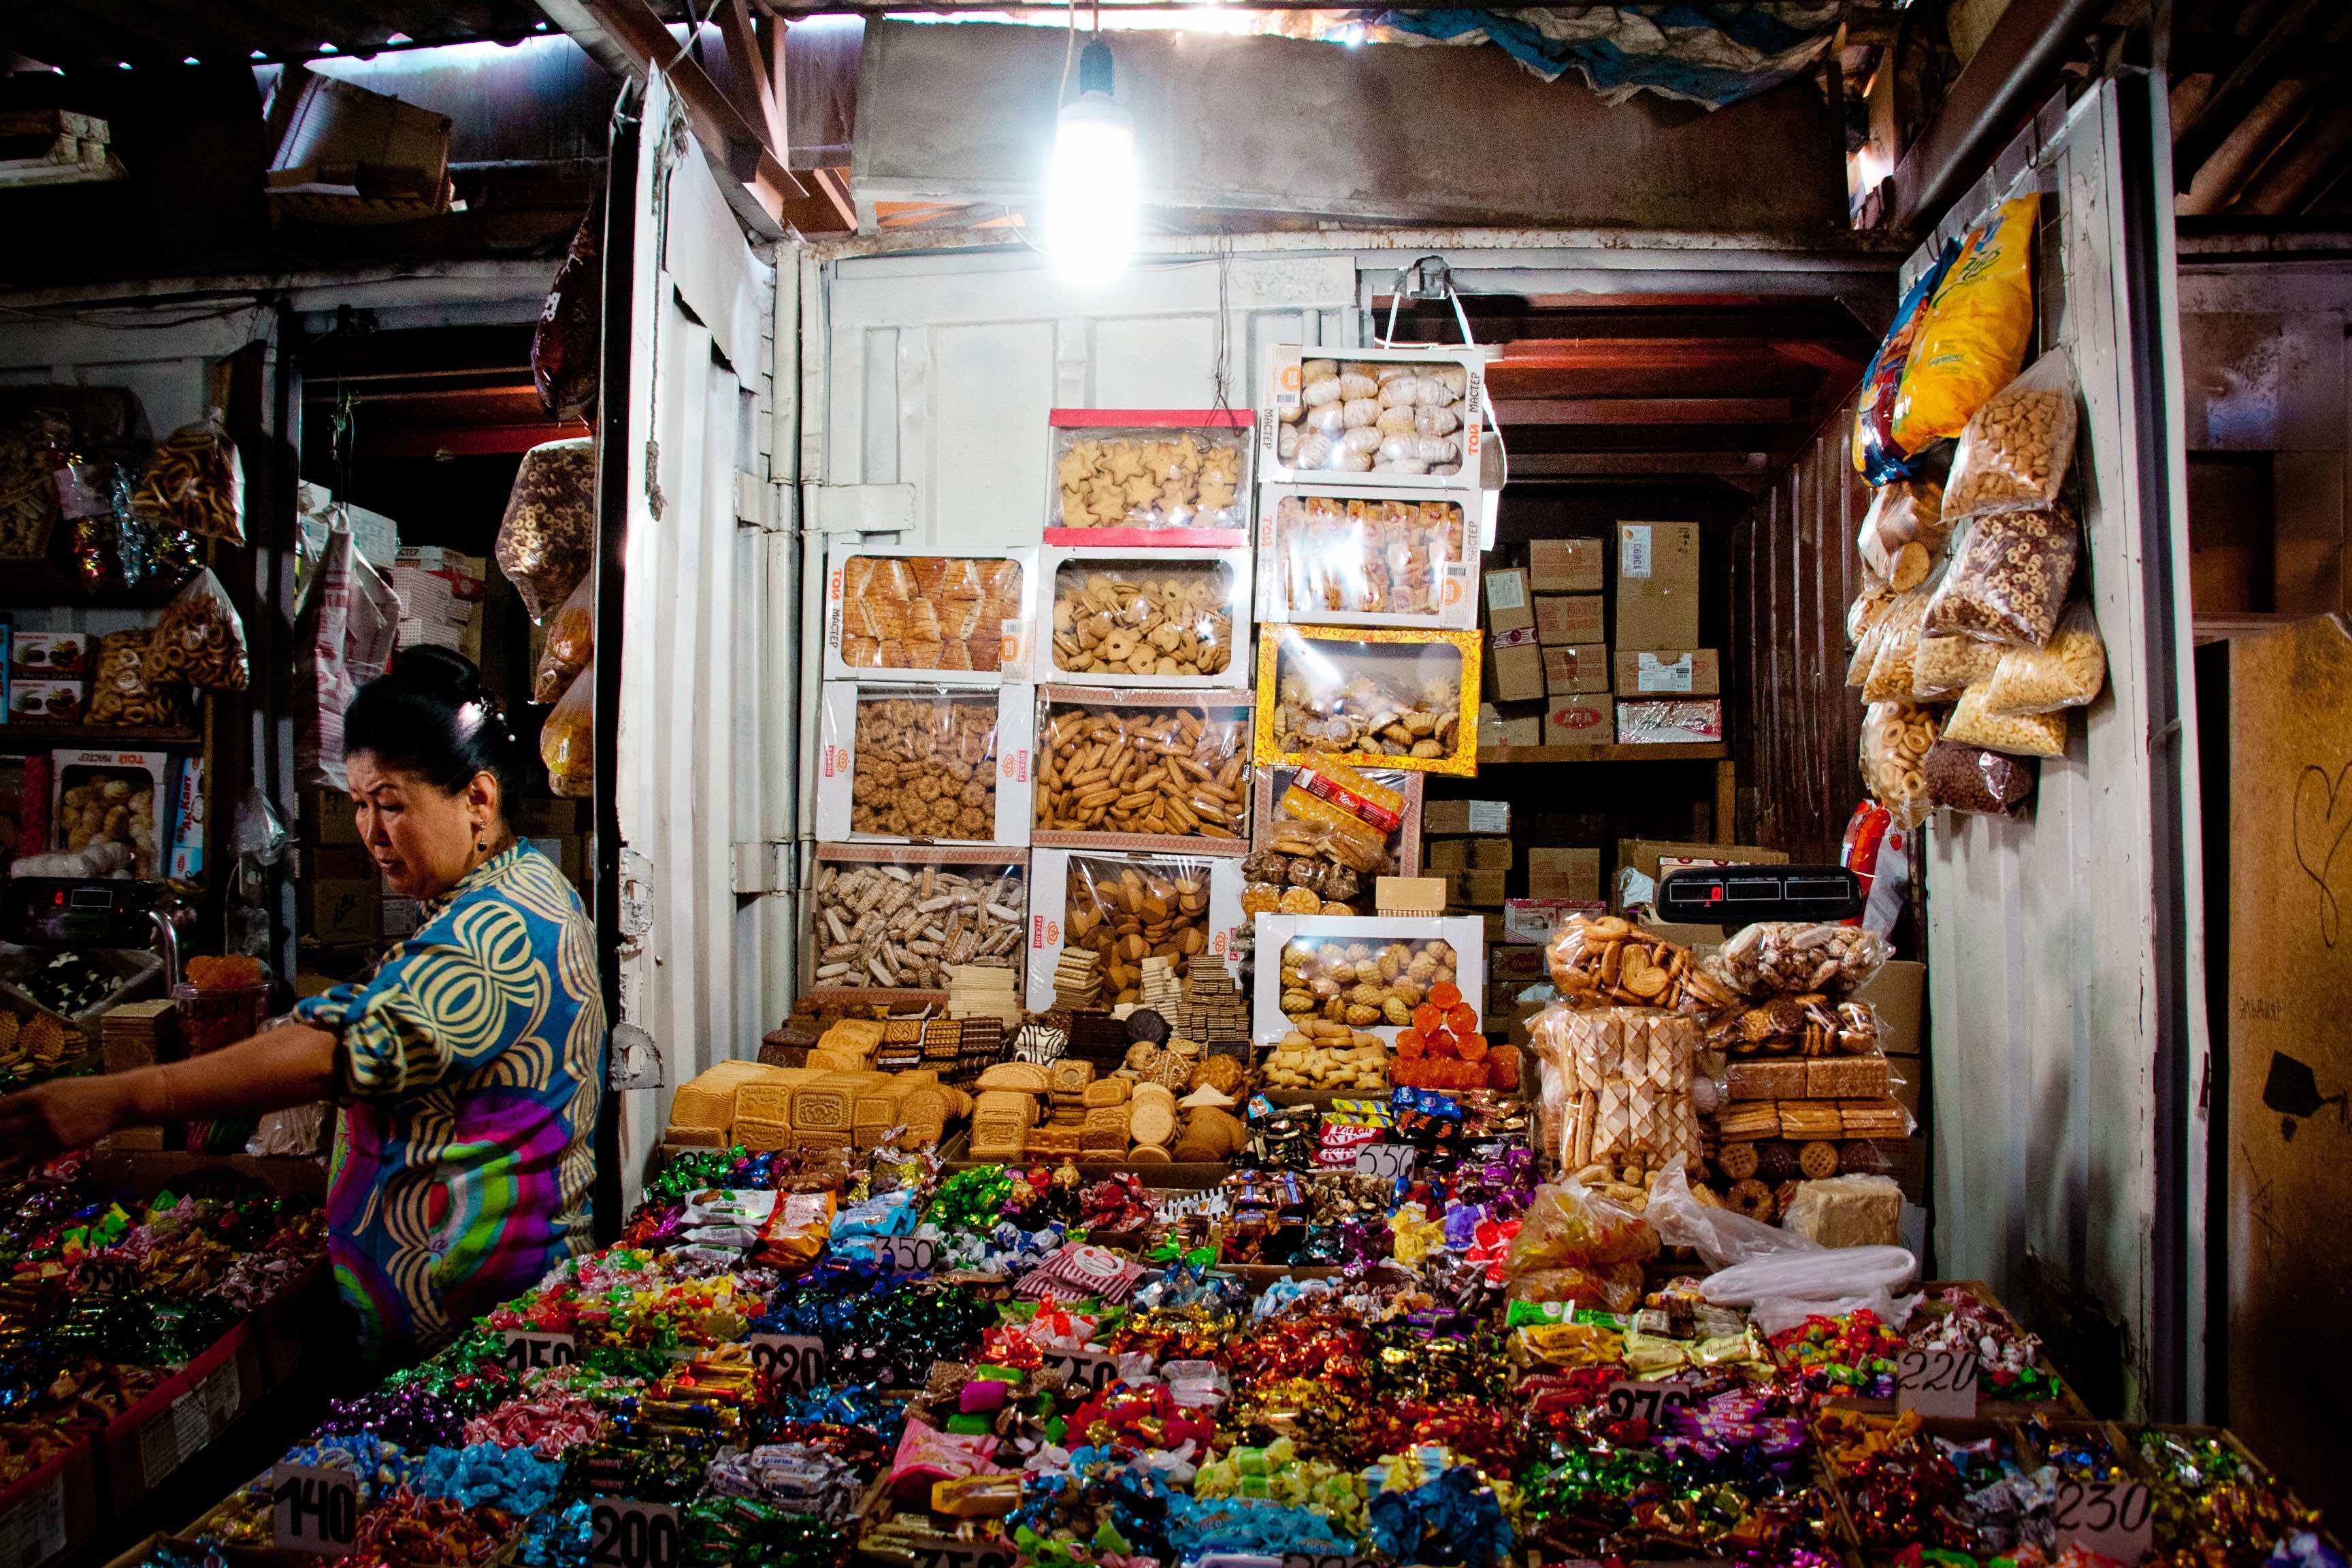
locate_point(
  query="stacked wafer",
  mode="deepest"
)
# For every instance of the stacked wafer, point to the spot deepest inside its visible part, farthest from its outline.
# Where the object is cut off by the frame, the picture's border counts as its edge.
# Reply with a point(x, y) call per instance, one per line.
point(1077, 979)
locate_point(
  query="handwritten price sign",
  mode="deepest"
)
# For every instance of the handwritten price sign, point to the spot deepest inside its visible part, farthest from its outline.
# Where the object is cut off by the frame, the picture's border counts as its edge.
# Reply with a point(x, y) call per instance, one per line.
point(1650, 1400)
point(1386, 1160)
point(2110, 1518)
point(910, 1255)
point(1937, 1382)
point(313, 1510)
point(1088, 1369)
point(528, 1348)
point(790, 1361)
point(624, 1533)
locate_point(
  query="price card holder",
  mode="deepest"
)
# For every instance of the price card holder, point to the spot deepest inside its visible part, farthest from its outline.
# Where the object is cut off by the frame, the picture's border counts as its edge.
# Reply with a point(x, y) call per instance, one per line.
point(942, 1552)
point(792, 1360)
point(313, 1510)
point(1089, 1369)
point(626, 1534)
point(2110, 1518)
point(1627, 1399)
point(1937, 1382)
point(1386, 1160)
point(910, 1255)
point(528, 1348)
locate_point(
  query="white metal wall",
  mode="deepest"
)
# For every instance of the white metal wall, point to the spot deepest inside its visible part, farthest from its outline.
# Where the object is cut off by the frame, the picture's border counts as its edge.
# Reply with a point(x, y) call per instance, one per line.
point(697, 742)
point(2048, 939)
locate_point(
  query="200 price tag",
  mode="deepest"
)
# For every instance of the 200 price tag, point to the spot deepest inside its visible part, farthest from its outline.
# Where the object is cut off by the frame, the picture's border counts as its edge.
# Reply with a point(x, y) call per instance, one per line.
point(939, 1552)
point(793, 1361)
point(1937, 1382)
point(2110, 1518)
point(1650, 1400)
point(1386, 1160)
point(313, 1510)
point(528, 1348)
point(911, 1253)
point(624, 1533)
point(1089, 1369)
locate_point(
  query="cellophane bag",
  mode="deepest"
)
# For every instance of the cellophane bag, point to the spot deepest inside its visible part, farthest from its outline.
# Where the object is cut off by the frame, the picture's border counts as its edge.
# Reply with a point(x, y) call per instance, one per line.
point(2009, 578)
point(2014, 454)
point(564, 349)
point(199, 639)
point(567, 742)
point(2068, 671)
point(1902, 535)
point(570, 643)
point(1890, 675)
point(548, 538)
point(1872, 635)
point(1978, 326)
point(1779, 958)
point(2020, 734)
point(1975, 780)
point(195, 481)
point(1875, 453)
point(1895, 737)
point(1943, 668)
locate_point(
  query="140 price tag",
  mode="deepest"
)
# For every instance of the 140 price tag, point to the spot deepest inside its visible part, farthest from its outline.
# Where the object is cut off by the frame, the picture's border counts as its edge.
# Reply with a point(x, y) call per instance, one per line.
point(624, 1533)
point(2110, 1518)
point(528, 1348)
point(793, 1361)
point(1937, 1382)
point(1650, 1400)
point(313, 1510)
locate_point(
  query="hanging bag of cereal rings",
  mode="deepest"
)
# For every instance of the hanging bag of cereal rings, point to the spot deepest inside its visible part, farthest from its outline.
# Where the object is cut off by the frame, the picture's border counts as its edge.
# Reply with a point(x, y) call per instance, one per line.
point(570, 643)
point(194, 482)
point(2014, 454)
point(1945, 666)
point(567, 742)
point(199, 640)
point(548, 536)
point(2067, 672)
point(119, 692)
point(2007, 579)
point(1895, 737)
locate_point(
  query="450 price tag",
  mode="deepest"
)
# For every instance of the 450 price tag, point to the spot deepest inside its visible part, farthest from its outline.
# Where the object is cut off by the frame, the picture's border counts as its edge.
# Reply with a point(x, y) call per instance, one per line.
point(1937, 1382)
point(1089, 1369)
point(624, 1533)
point(313, 1510)
point(2110, 1518)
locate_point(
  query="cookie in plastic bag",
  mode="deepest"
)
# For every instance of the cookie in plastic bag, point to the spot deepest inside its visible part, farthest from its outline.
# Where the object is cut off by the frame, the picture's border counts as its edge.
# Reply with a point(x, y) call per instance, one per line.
point(195, 481)
point(570, 643)
point(1895, 737)
point(2014, 454)
point(2020, 734)
point(567, 742)
point(199, 640)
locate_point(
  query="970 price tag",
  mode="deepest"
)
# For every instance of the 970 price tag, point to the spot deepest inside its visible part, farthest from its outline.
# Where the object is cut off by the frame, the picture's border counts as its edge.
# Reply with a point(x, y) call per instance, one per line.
point(1650, 1400)
point(624, 1533)
point(792, 1360)
point(528, 1348)
point(2110, 1518)
point(313, 1510)
point(1937, 1382)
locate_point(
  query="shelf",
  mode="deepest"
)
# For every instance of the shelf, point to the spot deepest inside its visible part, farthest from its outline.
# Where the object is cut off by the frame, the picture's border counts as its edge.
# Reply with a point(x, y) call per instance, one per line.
point(15, 739)
point(1664, 752)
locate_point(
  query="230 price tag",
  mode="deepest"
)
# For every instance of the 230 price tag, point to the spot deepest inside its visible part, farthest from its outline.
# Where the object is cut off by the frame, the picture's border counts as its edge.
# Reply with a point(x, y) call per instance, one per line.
point(792, 1360)
point(1089, 1369)
point(939, 1552)
point(624, 1533)
point(1386, 1160)
point(1650, 1400)
point(2110, 1518)
point(909, 1254)
point(528, 1348)
point(1937, 1382)
point(313, 1510)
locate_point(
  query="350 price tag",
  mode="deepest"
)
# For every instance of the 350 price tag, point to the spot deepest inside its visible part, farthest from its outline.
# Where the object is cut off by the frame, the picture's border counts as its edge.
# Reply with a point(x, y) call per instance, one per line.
point(1650, 1400)
point(2110, 1518)
point(793, 1361)
point(313, 1510)
point(528, 1348)
point(624, 1533)
point(939, 1552)
point(1937, 1382)
point(1386, 1160)
point(1089, 1369)
point(911, 1253)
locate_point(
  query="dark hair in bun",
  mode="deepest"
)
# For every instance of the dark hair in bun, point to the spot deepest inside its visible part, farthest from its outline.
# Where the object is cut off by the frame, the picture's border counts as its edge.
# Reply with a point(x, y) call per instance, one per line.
point(430, 716)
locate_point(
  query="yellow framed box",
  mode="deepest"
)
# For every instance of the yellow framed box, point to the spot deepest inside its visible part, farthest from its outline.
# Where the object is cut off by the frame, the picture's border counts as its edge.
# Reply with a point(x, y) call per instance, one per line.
point(1377, 684)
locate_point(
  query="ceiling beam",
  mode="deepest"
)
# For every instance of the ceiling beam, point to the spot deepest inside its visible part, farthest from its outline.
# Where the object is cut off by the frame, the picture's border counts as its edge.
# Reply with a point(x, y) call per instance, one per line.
point(1617, 464)
point(1512, 413)
point(2248, 82)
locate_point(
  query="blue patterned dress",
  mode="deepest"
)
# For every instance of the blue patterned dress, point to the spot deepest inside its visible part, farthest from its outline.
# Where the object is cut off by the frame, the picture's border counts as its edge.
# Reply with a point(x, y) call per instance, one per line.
point(469, 1067)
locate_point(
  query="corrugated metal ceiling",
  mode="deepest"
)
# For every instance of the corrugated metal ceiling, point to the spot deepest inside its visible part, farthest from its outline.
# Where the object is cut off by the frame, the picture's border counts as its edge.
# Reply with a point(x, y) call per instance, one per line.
point(166, 32)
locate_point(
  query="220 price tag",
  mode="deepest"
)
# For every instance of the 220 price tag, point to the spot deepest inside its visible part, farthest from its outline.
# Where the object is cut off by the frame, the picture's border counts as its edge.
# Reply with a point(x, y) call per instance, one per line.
point(624, 1533)
point(1386, 1160)
point(1650, 1400)
point(1089, 1369)
point(313, 1510)
point(939, 1552)
point(910, 1255)
point(793, 1361)
point(528, 1348)
point(2110, 1518)
point(1937, 1382)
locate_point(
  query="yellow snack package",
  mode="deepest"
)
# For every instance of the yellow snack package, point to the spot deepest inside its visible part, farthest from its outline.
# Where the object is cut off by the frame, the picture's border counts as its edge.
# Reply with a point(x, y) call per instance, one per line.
point(1973, 341)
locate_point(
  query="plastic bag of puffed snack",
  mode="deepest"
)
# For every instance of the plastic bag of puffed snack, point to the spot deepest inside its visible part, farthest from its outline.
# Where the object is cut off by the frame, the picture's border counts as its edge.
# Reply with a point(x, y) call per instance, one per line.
point(2068, 671)
point(1798, 958)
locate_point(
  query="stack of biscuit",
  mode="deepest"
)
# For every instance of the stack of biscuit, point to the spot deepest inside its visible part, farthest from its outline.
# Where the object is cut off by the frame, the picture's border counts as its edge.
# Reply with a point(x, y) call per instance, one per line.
point(1808, 1091)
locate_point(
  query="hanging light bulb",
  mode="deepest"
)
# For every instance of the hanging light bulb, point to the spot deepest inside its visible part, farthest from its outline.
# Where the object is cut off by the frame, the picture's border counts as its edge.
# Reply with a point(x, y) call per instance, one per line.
point(1090, 190)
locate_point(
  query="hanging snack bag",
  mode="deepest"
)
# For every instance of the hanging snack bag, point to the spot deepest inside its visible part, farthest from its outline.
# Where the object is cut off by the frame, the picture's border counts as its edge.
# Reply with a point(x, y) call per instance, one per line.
point(1890, 668)
point(548, 536)
point(2066, 672)
point(1945, 666)
point(2020, 735)
point(2009, 578)
point(567, 742)
point(194, 482)
point(199, 640)
point(1973, 779)
point(120, 692)
point(2014, 454)
point(570, 643)
point(1977, 328)
point(1881, 612)
point(1903, 535)
point(1876, 454)
point(1895, 737)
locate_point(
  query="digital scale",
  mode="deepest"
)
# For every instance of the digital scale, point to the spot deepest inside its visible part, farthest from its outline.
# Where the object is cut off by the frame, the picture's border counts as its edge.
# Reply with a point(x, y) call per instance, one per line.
point(71, 912)
point(1740, 895)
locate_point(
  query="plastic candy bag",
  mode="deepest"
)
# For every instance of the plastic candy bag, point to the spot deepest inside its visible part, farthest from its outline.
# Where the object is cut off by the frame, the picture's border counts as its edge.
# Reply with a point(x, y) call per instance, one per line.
point(548, 537)
point(199, 639)
point(1799, 958)
point(2008, 579)
point(2014, 454)
point(1974, 780)
point(195, 481)
point(1875, 454)
point(2068, 671)
point(1976, 331)
point(1903, 534)
point(570, 643)
point(1894, 740)
point(567, 742)
point(1568, 1226)
point(2023, 734)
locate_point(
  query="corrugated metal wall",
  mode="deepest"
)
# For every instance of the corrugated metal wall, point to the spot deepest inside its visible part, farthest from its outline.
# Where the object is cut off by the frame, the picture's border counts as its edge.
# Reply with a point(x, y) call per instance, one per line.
point(1796, 727)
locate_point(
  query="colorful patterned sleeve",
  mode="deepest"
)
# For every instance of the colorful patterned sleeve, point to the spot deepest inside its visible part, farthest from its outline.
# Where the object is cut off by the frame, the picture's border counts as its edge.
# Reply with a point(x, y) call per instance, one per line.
point(435, 1011)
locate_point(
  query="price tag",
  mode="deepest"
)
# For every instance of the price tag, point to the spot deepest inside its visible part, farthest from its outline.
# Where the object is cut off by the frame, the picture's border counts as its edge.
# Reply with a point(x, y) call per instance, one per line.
point(1089, 1369)
point(2110, 1518)
point(108, 1275)
point(1386, 1160)
point(1323, 1560)
point(940, 1551)
point(1650, 1400)
point(528, 1348)
point(313, 1510)
point(624, 1533)
point(1937, 1382)
point(910, 1255)
point(793, 1361)
point(1235, 1560)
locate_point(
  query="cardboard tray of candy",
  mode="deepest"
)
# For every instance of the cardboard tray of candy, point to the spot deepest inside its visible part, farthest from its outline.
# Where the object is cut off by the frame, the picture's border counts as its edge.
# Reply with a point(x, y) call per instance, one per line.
point(2068, 1404)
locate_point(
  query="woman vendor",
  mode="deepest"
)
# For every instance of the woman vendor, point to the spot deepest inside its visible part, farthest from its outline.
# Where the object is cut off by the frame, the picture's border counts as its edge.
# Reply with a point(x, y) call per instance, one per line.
point(468, 1066)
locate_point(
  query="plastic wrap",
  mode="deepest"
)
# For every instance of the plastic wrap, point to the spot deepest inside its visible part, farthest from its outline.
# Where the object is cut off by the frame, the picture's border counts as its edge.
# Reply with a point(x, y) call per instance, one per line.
point(1148, 469)
point(1875, 454)
point(1894, 740)
point(567, 740)
point(2014, 454)
point(1124, 911)
point(924, 765)
point(1375, 698)
point(1872, 611)
point(901, 919)
point(2021, 734)
point(1390, 416)
point(195, 481)
point(1569, 1226)
point(1974, 779)
point(2009, 578)
point(547, 539)
point(1371, 981)
point(1325, 834)
point(2068, 671)
point(199, 640)
point(1893, 666)
point(1649, 721)
point(1942, 666)
point(950, 613)
point(1616, 1087)
point(120, 691)
point(1369, 559)
point(1607, 962)
point(1798, 957)
point(1976, 331)
point(1148, 765)
point(570, 643)
point(110, 798)
point(1903, 535)
point(565, 346)
point(1130, 620)
point(32, 450)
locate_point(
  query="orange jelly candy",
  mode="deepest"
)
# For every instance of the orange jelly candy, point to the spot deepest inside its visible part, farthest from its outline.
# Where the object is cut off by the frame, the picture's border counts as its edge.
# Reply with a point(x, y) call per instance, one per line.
point(1472, 1045)
point(1462, 1018)
point(1428, 1017)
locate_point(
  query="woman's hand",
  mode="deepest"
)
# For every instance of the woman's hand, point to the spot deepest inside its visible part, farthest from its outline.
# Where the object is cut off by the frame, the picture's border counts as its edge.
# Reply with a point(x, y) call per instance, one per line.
point(65, 1113)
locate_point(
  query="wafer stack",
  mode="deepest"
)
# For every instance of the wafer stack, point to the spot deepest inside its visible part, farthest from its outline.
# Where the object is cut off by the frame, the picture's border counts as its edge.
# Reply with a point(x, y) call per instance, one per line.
point(1212, 1007)
point(1077, 979)
point(979, 990)
point(1161, 991)
point(139, 1035)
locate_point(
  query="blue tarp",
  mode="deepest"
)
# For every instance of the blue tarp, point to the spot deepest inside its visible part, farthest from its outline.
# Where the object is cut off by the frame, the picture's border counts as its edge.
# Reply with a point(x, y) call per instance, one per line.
point(1712, 55)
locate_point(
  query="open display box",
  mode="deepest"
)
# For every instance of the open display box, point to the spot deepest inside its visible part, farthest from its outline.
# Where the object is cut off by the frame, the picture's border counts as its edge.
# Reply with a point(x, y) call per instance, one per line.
point(1149, 772)
point(902, 765)
point(1369, 697)
point(1403, 416)
point(1176, 619)
point(1150, 477)
point(1343, 556)
point(1186, 908)
point(886, 921)
point(1332, 950)
point(896, 614)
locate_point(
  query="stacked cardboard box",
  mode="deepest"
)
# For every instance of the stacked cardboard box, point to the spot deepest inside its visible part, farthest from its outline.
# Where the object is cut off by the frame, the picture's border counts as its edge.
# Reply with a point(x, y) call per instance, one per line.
point(1571, 626)
point(1668, 689)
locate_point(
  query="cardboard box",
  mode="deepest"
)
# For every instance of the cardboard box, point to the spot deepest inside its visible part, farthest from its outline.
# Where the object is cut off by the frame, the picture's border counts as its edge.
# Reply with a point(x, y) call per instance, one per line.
point(1465, 936)
point(1657, 585)
point(1490, 921)
point(327, 818)
point(1519, 964)
point(1423, 896)
point(45, 701)
point(1517, 730)
point(1509, 606)
point(1899, 993)
point(1015, 711)
point(149, 770)
point(857, 646)
point(187, 850)
point(567, 852)
point(1580, 721)
point(147, 1443)
point(1064, 711)
point(440, 594)
point(1445, 854)
point(51, 656)
point(1583, 668)
point(342, 913)
point(1483, 890)
point(52, 1511)
point(1533, 921)
point(1049, 898)
point(1564, 871)
point(545, 818)
point(1684, 672)
point(1563, 619)
point(1064, 574)
point(1465, 817)
point(338, 863)
point(1654, 722)
point(1640, 862)
point(402, 917)
point(1515, 673)
point(1491, 855)
point(1565, 566)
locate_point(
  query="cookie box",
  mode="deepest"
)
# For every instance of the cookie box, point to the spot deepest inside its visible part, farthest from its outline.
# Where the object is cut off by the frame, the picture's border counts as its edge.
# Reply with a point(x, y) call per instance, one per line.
point(51, 656)
point(889, 922)
point(1366, 822)
point(1657, 721)
point(1143, 771)
point(43, 701)
point(1150, 477)
point(1166, 619)
point(1372, 697)
point(1322, 951)
point(1402, 416)
point(1335, 555)
point(893, 613)
point(101, 799)
point(924, 763)
point(1125, 909)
